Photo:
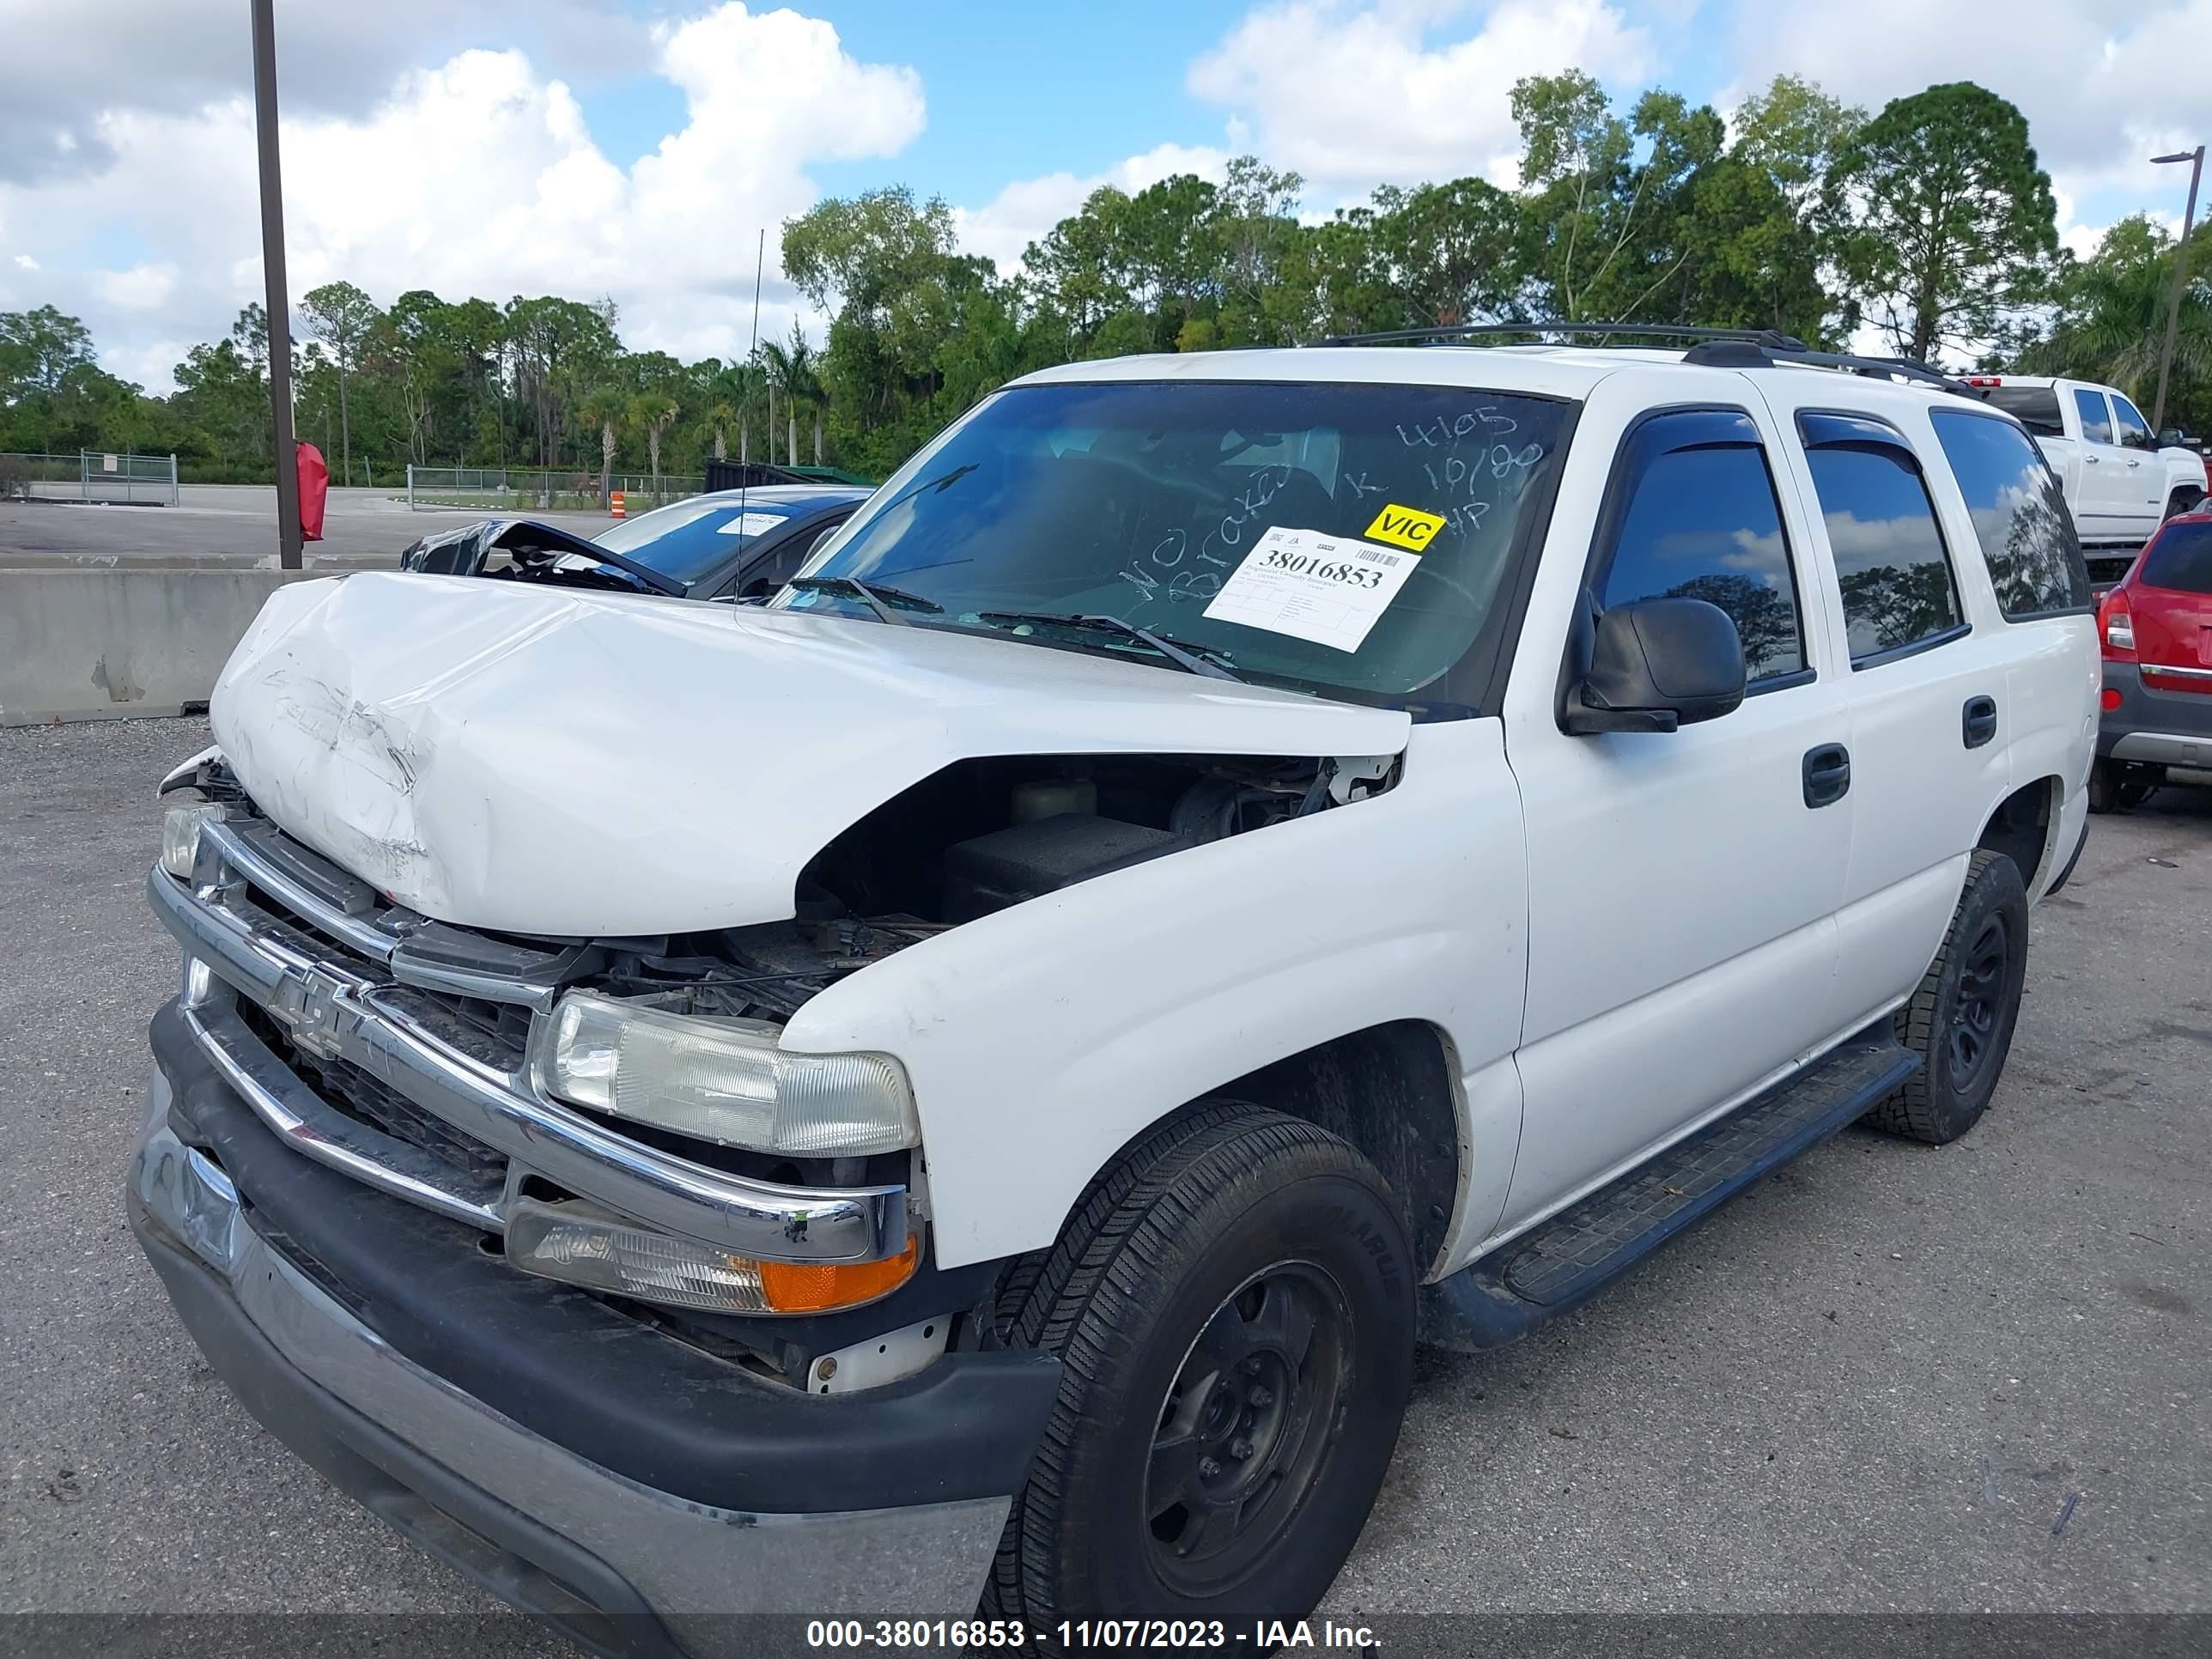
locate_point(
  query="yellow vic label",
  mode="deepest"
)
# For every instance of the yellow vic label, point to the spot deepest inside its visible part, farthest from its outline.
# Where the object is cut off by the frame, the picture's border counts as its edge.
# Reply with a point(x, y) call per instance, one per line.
point(1404, 526)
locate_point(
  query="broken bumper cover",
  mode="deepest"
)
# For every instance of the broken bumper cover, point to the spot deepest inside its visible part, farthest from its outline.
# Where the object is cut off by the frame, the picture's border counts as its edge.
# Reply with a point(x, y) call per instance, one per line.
point(583, 1466)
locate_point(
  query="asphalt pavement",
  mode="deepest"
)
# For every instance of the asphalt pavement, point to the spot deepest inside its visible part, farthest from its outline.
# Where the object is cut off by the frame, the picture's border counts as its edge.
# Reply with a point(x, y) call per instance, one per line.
point(1892, 1378)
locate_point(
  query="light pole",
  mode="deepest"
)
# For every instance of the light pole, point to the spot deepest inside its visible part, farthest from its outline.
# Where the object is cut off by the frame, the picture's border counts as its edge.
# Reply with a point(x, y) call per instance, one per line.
point(2196, 160)
point(279, 300)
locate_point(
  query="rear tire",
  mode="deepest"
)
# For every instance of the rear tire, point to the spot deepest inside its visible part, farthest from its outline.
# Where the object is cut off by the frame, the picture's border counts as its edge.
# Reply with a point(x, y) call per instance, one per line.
point(2115, 786)
point(1960, 1021)
point(1233, 1308)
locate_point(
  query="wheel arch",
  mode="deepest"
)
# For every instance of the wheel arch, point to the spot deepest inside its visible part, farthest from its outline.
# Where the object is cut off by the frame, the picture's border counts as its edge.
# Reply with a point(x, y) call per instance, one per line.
point(1393, 1093)
point(2023, 827)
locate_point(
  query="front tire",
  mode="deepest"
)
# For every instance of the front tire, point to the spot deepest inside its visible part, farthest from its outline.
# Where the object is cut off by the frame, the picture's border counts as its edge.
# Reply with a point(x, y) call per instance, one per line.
point(2186, 498)
point(1961, 1019)
point(1233, 1307)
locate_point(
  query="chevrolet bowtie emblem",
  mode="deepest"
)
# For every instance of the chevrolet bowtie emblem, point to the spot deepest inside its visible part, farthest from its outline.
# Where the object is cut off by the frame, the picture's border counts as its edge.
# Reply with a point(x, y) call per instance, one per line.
point(309, 1001)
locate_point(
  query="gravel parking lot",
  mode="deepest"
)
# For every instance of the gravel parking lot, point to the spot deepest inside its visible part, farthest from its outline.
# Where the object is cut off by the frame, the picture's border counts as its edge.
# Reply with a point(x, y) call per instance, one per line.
point(1891, 1379)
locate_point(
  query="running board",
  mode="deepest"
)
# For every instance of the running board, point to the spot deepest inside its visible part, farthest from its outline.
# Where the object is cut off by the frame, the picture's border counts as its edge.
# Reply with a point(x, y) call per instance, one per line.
point(1502, 1296)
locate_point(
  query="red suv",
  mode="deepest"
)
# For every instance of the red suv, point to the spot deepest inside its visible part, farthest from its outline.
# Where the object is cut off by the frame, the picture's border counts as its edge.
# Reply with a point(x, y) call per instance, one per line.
point(2156, 627)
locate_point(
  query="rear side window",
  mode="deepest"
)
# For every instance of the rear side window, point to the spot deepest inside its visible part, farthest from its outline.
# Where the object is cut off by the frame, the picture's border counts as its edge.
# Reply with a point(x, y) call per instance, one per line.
point(1701, 523)
point(2035, 407)
point(2182, 558)
point(2020, 516)
point(1898, 589)
point(2096, 425)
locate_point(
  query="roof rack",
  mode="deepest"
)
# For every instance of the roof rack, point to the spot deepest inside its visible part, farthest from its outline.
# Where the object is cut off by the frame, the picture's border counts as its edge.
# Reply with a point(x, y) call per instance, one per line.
point(1718, 347)
point(1906, 368)
point(1771, 338)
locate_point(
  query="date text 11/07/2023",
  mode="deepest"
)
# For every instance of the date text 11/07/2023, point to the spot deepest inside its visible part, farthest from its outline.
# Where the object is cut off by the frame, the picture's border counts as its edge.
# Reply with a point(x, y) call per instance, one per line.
point(1261, 1636)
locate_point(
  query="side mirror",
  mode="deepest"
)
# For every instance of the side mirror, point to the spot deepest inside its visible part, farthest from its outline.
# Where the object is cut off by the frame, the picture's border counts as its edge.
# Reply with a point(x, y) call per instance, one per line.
point(1657, 665)
point(2172, 437)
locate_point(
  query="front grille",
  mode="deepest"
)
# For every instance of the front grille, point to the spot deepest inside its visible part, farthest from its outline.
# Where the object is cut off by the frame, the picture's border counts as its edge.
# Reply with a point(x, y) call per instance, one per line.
point(493, 1033)
point(345, 1088)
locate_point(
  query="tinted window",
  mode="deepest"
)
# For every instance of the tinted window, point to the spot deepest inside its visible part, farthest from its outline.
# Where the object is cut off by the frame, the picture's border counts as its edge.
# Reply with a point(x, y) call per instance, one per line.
point(2182, 558)
point(1703, 525)
point(2035, 407)
point(2135, 431)
point(1896, 580)
point(2096, 426)
point(2019, 517)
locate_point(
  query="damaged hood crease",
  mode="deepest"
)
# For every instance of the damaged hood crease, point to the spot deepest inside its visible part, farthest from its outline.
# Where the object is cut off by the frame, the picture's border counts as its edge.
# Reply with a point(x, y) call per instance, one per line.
point(549, 762)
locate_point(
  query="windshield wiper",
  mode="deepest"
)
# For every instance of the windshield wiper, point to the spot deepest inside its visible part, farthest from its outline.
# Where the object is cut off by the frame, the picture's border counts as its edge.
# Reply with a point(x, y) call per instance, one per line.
point(877, 598)
point(1182, 656)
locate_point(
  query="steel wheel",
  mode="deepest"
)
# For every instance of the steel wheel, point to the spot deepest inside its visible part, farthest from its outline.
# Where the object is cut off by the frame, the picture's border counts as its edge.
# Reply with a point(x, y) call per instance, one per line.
point(1245, 1425)
point(1980, 1002)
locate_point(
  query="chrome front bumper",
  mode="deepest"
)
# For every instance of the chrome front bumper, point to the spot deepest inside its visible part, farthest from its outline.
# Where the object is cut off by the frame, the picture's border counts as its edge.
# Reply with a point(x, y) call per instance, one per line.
point(336, 1008)
point(618, 1563)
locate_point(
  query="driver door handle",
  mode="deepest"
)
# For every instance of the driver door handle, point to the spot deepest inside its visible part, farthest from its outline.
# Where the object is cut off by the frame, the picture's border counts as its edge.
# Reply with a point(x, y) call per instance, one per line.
point(1827, 775)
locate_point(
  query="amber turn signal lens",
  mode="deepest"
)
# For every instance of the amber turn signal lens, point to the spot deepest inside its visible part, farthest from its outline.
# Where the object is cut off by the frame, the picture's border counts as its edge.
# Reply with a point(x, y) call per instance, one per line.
point(812, 1287)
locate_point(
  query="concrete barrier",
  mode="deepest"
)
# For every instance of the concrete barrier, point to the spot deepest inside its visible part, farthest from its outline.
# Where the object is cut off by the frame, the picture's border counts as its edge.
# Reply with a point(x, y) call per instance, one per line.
point(88, 645)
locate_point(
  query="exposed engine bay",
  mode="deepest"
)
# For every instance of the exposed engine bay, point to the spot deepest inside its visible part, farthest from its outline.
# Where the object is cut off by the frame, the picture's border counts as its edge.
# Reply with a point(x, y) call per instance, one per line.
point(977, 837)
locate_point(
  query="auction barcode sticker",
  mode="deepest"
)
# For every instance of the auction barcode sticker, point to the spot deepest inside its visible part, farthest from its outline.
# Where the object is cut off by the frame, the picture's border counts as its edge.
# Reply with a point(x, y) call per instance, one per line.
point(1331, 590)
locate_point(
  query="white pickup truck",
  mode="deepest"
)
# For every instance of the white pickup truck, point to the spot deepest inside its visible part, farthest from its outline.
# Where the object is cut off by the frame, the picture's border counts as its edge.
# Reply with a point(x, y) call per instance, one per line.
point(955, 1093)
point(2120, 482)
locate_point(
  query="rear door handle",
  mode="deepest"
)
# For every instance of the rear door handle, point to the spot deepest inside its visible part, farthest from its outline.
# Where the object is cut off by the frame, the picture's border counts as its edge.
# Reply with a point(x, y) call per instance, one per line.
point(1979, 721)
point(1827, 775)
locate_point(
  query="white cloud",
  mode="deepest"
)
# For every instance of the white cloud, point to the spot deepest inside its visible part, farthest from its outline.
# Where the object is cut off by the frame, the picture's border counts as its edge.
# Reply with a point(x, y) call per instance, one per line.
point(480, 177)
point(2104, 88)
point(141, 287)
point(1003, 226)
point(176, 56)
point(24, 262)
point(1353, 95)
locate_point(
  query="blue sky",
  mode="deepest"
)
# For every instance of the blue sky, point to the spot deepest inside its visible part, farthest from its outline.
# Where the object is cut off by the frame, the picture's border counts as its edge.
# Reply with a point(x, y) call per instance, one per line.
point(633, 151)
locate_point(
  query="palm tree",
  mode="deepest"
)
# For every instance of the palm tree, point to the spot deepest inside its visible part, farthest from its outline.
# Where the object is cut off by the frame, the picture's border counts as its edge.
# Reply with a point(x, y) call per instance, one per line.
point(2111, 321)
point(608, 408)
point(653, 413)
point(803, 385)
point(723, 417)
point(776, 371)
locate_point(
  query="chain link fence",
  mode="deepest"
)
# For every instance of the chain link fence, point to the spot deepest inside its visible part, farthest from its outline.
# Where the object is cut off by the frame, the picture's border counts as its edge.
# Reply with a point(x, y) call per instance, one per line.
point(514, 490)
point(92, 474)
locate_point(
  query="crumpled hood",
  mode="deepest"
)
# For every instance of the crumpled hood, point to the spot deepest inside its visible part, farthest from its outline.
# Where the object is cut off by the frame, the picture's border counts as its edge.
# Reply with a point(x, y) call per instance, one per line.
point(545, 761)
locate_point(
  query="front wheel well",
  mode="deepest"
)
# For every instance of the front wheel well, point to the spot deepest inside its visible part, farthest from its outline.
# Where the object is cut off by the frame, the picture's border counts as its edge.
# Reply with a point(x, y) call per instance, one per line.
point(2021, 827)
point(1388, 1090)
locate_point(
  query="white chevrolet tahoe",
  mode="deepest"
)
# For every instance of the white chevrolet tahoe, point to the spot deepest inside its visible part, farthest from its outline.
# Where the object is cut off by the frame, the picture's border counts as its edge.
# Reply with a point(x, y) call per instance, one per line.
point(2120, 481)
point(957, 1092)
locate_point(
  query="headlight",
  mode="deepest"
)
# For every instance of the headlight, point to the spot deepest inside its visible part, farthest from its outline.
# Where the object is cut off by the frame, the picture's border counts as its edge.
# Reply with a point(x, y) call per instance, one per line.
point(727, 1081)
point(180, 836)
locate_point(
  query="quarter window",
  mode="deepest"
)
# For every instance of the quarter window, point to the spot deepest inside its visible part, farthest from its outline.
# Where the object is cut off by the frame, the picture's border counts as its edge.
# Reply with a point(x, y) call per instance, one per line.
point(2019, 517)
point(1703, 523)
point(2096, 425)
point(1896, 579)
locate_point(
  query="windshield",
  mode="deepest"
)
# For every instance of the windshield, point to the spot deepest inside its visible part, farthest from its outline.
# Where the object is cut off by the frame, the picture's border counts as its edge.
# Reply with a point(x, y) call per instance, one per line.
point(688, 540)
point(1328, 535)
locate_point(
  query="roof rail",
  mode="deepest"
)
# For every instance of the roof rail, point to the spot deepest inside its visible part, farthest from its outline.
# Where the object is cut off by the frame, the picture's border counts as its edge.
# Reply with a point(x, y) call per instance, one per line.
point(1773, 338)
point(1907, 368)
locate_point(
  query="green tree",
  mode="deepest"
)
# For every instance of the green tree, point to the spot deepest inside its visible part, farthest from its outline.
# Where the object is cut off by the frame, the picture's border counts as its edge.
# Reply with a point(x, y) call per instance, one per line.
point(606, 408)
point(340, 316)
point(2109, 320)
point(1943, 223)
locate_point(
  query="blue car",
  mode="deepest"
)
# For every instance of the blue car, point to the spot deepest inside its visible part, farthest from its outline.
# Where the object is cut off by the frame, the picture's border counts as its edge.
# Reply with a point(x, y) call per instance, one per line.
point(734, 545)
